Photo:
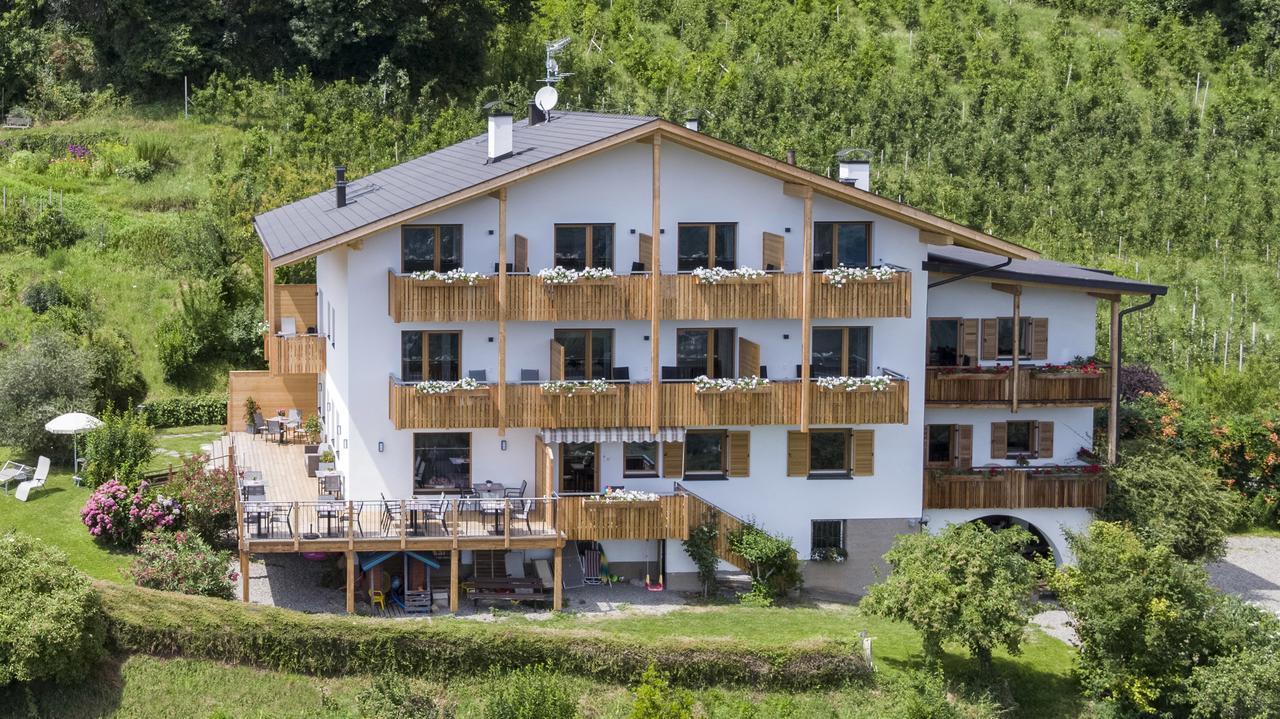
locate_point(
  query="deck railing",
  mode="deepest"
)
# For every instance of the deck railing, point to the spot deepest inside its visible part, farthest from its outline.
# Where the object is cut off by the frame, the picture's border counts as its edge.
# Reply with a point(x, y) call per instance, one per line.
point(862, 298)
point(700, 511)
point(596, 517)
point(411, 409)
point(775, 296)
point(623, 405)
point(299, 354)
point(413, 300)
point(1014, 488)
point(624, 297)
point(861, 406)
point(955, 385)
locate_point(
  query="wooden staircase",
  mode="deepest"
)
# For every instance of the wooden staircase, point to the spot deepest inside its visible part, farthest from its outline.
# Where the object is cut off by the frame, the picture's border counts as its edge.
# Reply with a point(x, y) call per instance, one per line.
point(700, 510)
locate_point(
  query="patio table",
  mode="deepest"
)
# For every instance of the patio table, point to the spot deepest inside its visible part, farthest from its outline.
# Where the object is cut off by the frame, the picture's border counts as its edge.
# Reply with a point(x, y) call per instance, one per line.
point(257, 513)
point(328, 510)
point(423, 506)
point(494, 507)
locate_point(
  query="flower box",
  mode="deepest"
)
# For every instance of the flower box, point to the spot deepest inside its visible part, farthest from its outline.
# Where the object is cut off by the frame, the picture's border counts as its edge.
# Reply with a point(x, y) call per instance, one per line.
point(1058, 374)
point(841, 276)
point(721, 276)
point(467, 387)
point(870, 383)
point(980, 376)
point(732, 281)
point(451, 278)
point(725, 385)
point(571, 388)
point(559, 276)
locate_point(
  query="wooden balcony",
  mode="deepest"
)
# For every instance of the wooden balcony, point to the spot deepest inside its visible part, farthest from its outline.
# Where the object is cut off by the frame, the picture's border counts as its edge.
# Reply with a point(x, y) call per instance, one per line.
point(410, 300)
point(776, 296)
point(625, 297)
point(862, 406)
point(1013, 488)
point(949, 387)
point(625, 405)
point(862, 298)
point(589, 517)
point(299, 354)
point(411, 409)
point(684, 406)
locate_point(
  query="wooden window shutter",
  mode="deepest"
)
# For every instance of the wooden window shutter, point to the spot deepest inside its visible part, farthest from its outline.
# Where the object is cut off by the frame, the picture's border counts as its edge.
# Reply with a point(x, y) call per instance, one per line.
point(999, 440)
point(520, 263)
point(739, 448)
point(969, 341)
point(990, 339)
point(673, 460)
point(1044, 441)
point(864, 452)
point(646, 250)
point(1040, 338)
point(748, 358)
point(557, 361)
point(773, 251)
point(964, 445)
point(797, 454)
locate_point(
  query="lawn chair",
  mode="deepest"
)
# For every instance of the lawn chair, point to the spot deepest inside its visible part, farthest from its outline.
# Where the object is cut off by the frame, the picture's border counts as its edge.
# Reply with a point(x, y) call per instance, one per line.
point(41, 476)
point(13, 472)
point(591, 566)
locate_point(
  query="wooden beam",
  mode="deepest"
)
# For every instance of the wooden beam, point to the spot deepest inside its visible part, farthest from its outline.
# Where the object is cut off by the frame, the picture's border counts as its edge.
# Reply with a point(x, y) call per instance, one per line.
point(244, 576)
point(935, 238)
point(502, 312)
point(351, 582)
point(356, 245)
point(1108, 296)
point(1017, 344)
point(1113, 413)
point(795, 189)
point(1007, 288)
point(454, 569)
point(268, 303)
point(806, 311)
point(655, 286)
point(557, 592)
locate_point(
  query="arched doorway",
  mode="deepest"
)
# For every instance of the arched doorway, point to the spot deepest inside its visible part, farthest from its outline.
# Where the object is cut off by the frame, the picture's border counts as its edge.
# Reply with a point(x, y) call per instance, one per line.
point(1037, 549)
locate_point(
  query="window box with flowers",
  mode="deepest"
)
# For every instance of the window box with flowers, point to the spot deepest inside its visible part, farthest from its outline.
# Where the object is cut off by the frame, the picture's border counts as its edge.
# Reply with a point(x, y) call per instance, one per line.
point(464, 386)
point(703, 384)
point(572, 387)
point(452, 277)
point(988, 372)
point(1083, 369)
point(871, 383)
point(623, 495)
point(554, 276)
point(835, 555)
point(721, 276)
point(841, 276)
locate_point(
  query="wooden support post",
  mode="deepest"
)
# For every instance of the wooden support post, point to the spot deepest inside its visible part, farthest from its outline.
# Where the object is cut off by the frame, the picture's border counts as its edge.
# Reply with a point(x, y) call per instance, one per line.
point(655, 288)
point(506, 523)
point(244, 576)
point(502, 312)
point(557, 592)
point(453, 580)
point(268, 305)
point(806, 310)
point(1114, 405)
point(1017, 347)
point(403, 514)
point(351, 582)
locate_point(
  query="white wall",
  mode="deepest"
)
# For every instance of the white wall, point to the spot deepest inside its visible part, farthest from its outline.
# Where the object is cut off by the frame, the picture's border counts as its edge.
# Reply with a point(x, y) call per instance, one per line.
point(1072, 430)
point(1072, 313)
point(1052, 523)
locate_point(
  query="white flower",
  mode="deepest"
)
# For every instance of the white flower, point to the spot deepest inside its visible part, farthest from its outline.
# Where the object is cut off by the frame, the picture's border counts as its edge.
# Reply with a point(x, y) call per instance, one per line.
point(703, 383)
point(877, 383)
point(445, 387)
point(566, 276)
point(450, 277)
point(625, 495)
point(840, 276)
point(716, 275)
point(572, 386)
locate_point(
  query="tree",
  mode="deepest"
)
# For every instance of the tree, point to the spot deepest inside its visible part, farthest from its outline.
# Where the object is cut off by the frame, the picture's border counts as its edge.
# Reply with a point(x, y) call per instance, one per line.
point(46, 377)
point(1169, 500)
point(966, 584)
point(119, 449)
point(1241, 686)
point(771, 561)
point(51, 621)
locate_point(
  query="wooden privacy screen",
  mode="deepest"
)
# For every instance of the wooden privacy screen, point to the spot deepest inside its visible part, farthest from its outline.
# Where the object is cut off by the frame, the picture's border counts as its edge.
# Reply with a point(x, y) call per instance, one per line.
point(557, 361)
point(298, 302)
point(969, 341)
point(271, 392)
point(748, 358)
point(521, 260)
point(673, 460)
point(645, 251)
point(773, 251)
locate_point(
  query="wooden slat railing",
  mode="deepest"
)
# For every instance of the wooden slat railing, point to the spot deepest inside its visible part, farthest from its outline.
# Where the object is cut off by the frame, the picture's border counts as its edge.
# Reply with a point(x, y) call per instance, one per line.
point(625, 405)
point(862, 406)
point(775, 297)
point(700, 510)
point(299, 354)
point(411, 409)
point(863, 298)
point(410, 300)
point(625, 297)
point(775, 403)
point(588, 517)
point(1012, 488)
point(955, 387)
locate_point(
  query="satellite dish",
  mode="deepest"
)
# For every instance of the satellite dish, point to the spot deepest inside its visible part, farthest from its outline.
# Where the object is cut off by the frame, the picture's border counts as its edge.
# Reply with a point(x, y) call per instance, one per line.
point(546, 98)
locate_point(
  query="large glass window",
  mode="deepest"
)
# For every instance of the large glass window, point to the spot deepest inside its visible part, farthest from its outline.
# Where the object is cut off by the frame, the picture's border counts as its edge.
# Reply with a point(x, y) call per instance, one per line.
point(442, 359)
point(704, 453)
point(705, 351)
point(430, 247)
point(940, 450)
point(944, 343)
point(441, 462)
point(1019, 438)
point(826, 534)
point(841, 352)
point(588, 354)
point(841, 244)
point(829, 452)
point(640, 459)
point(578, 247)
point(707, 245)
point(1004, 337)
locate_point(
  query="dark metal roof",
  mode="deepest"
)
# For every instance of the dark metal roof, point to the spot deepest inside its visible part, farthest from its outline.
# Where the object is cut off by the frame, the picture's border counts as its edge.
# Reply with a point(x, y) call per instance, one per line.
point(958, 260)
point(315, 219)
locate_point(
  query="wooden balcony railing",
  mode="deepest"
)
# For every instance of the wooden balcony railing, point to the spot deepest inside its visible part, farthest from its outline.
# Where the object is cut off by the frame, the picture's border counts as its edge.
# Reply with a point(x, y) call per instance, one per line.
point(774, 403)
point(624, 405)
point(863, 298)
point(861, 406)
point(1013, 488)
point(411, 409)
point(776, 296)
point(700, 510)
point(954, 386)
point(299, 354)
point(589, 517)
point(410, 300)
point(625, 297)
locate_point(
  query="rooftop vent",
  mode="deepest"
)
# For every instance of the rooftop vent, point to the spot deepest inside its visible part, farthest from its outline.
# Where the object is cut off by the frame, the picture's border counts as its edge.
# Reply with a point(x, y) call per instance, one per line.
point(340, 185)
point(499, 135)
point(855, 167)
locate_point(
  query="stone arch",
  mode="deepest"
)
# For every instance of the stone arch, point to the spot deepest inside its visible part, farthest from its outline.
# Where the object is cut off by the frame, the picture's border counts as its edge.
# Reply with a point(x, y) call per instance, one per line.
point(1043, 544)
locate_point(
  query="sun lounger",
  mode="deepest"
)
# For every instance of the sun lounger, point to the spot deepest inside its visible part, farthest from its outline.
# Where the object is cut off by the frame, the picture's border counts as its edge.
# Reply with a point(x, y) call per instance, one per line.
point(37, 481)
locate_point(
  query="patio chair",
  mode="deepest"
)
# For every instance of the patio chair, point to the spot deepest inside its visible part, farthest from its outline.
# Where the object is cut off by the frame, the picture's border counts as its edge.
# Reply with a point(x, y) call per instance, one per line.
point(591, 566)
point(622, 374)
point(280, 515)
point(288, 327)
point(391, 516)
point(42, 474)
point(259, 425)
point(13, 472)
point(347, 516)
point(529, 375)
point(521, 510)
point(439, 509)
point(478, 375)
point(514, 493)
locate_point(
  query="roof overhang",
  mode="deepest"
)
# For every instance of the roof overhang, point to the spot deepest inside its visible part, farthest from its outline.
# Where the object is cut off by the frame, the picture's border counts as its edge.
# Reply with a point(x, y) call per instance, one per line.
point(1105, 284)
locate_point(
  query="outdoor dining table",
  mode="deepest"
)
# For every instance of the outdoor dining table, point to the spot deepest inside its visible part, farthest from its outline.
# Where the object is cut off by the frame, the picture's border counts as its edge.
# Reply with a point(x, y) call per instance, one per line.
point(328, 509)
point(257, 512)
point(425, 507)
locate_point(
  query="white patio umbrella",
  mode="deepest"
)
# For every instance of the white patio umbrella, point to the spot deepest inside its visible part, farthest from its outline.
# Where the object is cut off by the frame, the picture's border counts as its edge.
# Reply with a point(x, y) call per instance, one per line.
point(73, 423)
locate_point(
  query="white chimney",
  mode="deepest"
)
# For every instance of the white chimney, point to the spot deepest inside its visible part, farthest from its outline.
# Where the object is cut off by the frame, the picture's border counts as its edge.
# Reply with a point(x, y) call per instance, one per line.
point(855, 168)
point(499, 136)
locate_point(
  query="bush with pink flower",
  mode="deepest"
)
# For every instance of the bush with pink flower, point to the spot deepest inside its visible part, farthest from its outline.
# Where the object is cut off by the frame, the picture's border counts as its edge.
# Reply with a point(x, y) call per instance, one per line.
point(118, 515)
point(183, 562)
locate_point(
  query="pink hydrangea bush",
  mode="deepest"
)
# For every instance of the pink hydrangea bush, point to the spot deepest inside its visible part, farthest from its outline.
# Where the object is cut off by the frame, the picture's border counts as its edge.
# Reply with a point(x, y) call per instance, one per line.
point(183, 562)
point(117, 515)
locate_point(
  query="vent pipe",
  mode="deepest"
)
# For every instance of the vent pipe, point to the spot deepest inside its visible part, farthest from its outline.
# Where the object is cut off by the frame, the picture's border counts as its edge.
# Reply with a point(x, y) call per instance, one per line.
point(499, 135)
point(855, 168)
point(791, 157)
point(340, 185)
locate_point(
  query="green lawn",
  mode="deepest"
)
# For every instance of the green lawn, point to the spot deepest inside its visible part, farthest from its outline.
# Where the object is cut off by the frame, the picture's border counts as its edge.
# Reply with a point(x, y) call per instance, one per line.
point(185, 441)
point(1260, 532)
point(53, 515)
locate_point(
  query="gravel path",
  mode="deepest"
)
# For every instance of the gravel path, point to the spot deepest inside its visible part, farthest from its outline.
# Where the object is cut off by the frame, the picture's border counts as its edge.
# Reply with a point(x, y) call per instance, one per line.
point(1251, 571)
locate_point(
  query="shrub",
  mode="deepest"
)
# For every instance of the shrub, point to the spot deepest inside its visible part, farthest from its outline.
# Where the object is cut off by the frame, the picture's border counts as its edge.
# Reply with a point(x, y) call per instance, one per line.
point(391, 696)
point(51, 230)
point(154, 151)
point(1137, 380)
point(771, 561)
point(1169, 500)
point(120, 449)
point(966, 584)
point(43, 295)
point(530, 693)
point(118, 515)
point(136, 170)
point(701, 548)
point(46, 377)
point(656, 699)
point(185, 411)
point(183, 562)
point(207, 496)
point(195, 331)
point(1244, 685)
point(52, 620)
point(117, 379)
point(28, 161)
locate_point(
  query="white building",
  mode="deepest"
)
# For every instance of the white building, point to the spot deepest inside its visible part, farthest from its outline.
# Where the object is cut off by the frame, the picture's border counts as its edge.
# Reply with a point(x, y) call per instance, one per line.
point(839, 472)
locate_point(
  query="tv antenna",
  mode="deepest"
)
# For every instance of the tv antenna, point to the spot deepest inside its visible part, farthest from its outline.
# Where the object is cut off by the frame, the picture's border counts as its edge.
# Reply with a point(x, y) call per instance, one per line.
point(554, 48)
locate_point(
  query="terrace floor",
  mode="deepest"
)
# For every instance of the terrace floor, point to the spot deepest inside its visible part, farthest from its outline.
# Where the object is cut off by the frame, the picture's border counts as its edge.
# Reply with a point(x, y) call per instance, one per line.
point(282, 465)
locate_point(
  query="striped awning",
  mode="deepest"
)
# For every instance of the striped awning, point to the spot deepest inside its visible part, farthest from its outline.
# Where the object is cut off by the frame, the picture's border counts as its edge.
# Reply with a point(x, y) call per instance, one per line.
point(612, 434)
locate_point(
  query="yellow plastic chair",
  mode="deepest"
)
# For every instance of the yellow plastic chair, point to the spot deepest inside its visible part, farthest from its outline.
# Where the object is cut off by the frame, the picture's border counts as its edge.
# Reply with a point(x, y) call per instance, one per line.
point(378, 599)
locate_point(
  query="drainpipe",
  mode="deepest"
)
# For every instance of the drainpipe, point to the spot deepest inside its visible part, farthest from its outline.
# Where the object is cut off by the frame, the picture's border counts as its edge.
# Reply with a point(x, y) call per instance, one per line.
point(948, 280)
point(1117, 353)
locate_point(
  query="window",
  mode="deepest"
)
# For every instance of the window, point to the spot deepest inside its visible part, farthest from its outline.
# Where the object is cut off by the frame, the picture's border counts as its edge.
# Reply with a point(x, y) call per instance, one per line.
point(333, 327)
point(705, 351)
point(442, 359)
point(826, 534)
point(1004, 338)
point(841, 352)
point(441, 462)
point(704, 454)
point(841, 244)
point(588, 354)
point(829, 453)
point(578, 247)
point(430, 247)
point(944, 343)
point(640, 459)
point(1019, 438)
point(940, 447)
point(707, 245)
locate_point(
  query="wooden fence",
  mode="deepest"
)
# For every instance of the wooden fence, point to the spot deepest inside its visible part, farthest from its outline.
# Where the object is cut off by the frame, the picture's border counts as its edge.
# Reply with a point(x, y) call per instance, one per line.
point(589, 517)
point(700, 510)
point(272, 392)
point(776, 296)
point(954, 386)
point(410, 300)
point(863, 298)
point(1012, 488)
point(300, 354)
point(625, 297)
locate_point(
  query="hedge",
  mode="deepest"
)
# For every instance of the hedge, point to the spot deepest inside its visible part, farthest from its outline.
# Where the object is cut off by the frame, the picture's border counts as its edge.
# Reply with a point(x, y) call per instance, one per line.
point(167, 624)
point(185, 411)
